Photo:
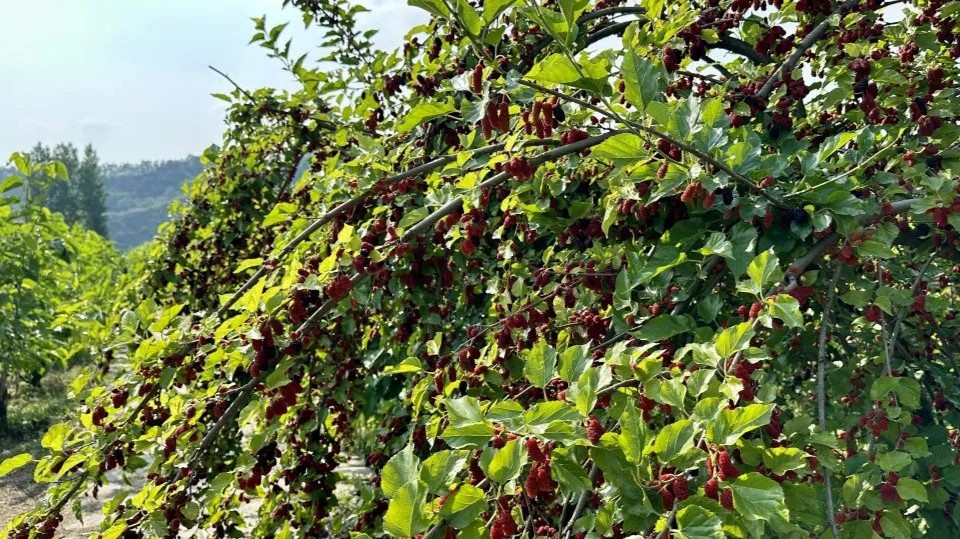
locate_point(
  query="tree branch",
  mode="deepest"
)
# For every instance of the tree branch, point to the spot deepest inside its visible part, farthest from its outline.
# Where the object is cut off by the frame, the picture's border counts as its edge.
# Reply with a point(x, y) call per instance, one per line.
point(802, 48)
point(581, 503)
point(736, 177)
point(888, 347)
point(352, 203)
point(822, 392)
point(666, 528)
point(611, 11)
point(741, 47)
point(606, 31)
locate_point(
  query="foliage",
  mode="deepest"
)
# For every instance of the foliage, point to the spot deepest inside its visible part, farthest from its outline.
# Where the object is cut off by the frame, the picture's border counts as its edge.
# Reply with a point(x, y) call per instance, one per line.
point(697, 280)
point(80, 195)
point(138, 195)
point(55, 282)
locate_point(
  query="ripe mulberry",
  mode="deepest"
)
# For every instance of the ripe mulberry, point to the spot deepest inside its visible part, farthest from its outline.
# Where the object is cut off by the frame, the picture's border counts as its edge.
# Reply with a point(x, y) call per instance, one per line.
point(594, 430)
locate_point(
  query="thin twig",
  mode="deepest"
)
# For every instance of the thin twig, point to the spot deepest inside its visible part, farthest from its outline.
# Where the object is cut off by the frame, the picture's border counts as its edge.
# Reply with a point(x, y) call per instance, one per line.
point(666, 528)
point(235, 85)
point(822, 391)
point(888, 347)
point(581, 503)
point(616, 10)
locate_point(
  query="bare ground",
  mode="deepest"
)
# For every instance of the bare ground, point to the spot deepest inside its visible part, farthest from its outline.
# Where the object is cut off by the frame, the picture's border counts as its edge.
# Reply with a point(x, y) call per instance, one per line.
point(19, 493)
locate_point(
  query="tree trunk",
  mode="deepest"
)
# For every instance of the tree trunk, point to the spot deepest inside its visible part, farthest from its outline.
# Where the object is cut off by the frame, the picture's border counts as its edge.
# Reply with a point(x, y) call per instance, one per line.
point(4, 398)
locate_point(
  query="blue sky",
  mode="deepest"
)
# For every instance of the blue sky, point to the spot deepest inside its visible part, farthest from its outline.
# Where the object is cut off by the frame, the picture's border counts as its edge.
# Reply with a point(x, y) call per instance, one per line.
point(131, 77)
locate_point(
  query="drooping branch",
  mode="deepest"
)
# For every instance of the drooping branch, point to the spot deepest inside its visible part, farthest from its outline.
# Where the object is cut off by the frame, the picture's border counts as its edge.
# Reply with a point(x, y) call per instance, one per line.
point(354, 202)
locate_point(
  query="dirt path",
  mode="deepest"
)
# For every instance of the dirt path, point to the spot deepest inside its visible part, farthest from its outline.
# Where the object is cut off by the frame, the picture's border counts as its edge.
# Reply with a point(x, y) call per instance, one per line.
point(18, 493)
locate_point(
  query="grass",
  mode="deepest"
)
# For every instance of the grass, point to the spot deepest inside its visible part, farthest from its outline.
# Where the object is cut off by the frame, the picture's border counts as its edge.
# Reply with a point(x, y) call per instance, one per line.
point(34, 408)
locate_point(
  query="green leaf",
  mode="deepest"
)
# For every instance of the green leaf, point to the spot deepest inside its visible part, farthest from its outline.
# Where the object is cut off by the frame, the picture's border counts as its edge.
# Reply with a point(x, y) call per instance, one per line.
point(556, 68)
point(756, 497)
point(780, 460)
point(540, 364)
point(569, 473)
point(633, 433)
point(787, 309)
point(644, 81)
point(717, 244)
point(401, 469)
point(410, 364)
point(734, 339)
point(625, 148)
point(191, 510)
point(279, 214)
point(743, 237)
point(732, 424)
point(55, 437)
point(573, 362)
point(699, 382)
point(559, 69)
point(464, 411)
point(468, 17)
point(910, 489)
point(906, 389)
point(440, 470)
point(584, 392)
point(423, 112)
point(168, 315)
point(10, 183)
point(412, 217)
point(541, 415)
point(493, 8)
point(763, 270)
point(696, 522)
point(475, 435)
point(894, 461)
point(894, 525)
point(404, 516)
point(674, 439)
point(10, 464)
point(463, 506)
point(664, 326)
point(115, 531)
point(247, 264)
point(434, 7)
point(506, 462)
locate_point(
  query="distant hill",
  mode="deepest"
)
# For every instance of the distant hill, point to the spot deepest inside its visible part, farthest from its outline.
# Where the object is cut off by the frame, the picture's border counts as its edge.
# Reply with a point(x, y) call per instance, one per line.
point(138, 196)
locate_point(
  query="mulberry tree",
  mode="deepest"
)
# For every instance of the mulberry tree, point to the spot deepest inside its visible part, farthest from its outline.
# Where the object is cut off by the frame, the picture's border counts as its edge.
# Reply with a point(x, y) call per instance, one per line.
point(562, 269)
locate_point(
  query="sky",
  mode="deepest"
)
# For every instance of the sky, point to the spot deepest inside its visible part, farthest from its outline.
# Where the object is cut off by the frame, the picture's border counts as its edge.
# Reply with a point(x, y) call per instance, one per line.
point(131, 76)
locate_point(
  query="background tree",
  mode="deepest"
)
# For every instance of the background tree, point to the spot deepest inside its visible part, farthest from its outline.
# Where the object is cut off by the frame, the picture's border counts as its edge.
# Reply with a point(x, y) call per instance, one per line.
point(79, 196)
point(54, 284)
point(64, 196)
point(90, 192)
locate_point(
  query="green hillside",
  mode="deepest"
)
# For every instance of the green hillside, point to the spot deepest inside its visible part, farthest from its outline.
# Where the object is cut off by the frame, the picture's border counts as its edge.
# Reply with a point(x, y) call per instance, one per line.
point(138, 196)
